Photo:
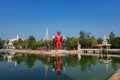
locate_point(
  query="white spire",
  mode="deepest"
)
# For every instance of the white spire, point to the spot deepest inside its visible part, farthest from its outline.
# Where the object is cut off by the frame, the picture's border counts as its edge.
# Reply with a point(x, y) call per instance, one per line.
point(17, 37)
point(46, 36)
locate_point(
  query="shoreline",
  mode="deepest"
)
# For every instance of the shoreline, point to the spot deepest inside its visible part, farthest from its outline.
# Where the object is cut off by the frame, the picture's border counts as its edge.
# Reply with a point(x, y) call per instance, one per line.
point(116, 75)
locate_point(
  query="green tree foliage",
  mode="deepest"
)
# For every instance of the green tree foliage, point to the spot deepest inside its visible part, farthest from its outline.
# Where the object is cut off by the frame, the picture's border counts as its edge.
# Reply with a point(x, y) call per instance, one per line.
point(47, 44)
point(99, 40)
point(31, 42)
point(112, 35)
point(1, 43)
point(82, 34)
point(18, 44)
point(83, 42)
point(86, 40)
point(72, 42)
point(91, 41)
point(114, 41)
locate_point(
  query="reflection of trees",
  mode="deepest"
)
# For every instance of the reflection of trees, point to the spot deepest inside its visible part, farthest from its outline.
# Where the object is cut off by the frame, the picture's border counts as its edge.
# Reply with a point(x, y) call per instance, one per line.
point(46, 60)
point(29, 59)
point(115, 62)
point(1, 58)
point(87, 62)
point(19, 58)
point(72, 60)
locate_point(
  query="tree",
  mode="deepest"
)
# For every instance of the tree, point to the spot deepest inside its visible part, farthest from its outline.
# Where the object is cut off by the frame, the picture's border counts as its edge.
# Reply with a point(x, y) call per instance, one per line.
point(91, 42)
point(86, 40)
point(82, 38)
point(112, 35)
point(115, 42)
point(88, 35)
point(18, 44)
point(1, 43)
point(99, 40)
point(31, 42)
point(83, 42)
point(82, 34)
point(72, 42)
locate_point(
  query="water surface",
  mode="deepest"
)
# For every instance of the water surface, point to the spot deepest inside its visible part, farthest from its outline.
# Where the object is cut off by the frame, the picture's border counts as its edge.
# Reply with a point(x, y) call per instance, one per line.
point(71, 67)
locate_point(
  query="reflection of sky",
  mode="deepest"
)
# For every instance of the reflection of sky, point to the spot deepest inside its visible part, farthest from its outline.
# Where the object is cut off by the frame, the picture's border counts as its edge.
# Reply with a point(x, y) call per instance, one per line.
point(8, 71)
point(96, 72)
point(9, 66)
point(20, 71)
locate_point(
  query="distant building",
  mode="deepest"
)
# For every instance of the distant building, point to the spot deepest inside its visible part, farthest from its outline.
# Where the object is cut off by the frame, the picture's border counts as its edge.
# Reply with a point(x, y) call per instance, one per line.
point(10, 43)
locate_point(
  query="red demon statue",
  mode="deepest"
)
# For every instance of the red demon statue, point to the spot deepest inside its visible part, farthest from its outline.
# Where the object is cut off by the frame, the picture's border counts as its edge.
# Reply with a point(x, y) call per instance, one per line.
point(58, 40)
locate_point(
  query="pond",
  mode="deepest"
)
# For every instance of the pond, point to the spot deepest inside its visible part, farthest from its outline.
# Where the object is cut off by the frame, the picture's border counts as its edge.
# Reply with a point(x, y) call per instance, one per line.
point(23, 66)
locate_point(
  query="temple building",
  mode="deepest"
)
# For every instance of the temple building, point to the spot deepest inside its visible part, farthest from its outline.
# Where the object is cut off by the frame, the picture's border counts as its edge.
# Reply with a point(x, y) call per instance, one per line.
point(10, 43)
point(105, 44)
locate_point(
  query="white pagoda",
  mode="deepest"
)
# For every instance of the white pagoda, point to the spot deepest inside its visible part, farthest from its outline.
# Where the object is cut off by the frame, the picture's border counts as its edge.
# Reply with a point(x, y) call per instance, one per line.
point(105, 45)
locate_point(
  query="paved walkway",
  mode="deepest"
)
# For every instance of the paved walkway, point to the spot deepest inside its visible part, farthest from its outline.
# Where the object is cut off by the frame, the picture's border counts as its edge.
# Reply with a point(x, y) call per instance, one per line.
point(115, 76)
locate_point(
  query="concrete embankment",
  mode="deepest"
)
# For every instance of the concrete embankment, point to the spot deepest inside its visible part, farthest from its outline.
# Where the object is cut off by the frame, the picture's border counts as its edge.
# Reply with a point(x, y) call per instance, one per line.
point(45, 52)
point(115, 76)
point(117, 51)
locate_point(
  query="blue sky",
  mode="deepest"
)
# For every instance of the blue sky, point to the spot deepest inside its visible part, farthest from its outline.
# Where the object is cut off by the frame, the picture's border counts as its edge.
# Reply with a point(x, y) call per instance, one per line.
point(32, 17)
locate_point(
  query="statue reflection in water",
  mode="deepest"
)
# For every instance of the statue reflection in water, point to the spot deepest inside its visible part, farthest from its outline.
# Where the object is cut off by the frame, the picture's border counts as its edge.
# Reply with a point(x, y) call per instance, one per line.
point(59, 64)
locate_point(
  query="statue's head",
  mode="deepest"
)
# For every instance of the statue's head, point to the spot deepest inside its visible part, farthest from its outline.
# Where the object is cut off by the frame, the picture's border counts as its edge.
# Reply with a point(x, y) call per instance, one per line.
point(58, 32)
